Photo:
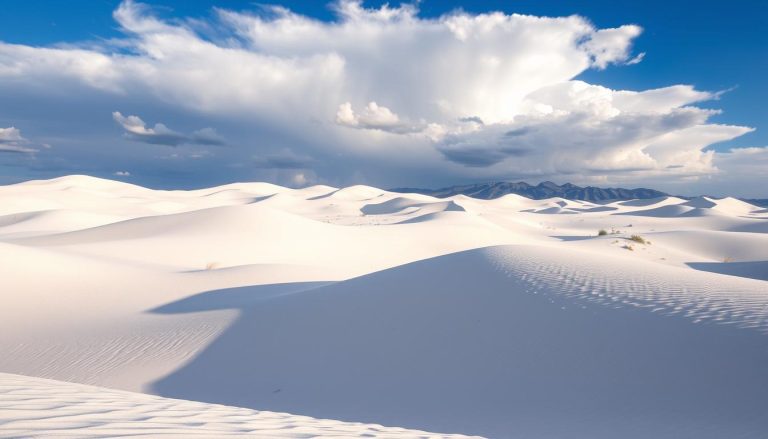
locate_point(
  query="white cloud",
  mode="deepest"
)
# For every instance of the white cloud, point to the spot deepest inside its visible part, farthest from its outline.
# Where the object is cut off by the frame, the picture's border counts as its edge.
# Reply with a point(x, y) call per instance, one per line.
point(375, 117)
point(479, 65)
point(386, 93)
point(122, 174)
point(581, 129)
point(607, 46)
point(11, 134)
point(12, 141)
point(136, 129)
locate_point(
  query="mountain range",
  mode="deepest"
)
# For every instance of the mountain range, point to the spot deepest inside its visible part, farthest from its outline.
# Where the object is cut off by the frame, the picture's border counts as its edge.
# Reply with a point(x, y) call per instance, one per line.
point(548, 189)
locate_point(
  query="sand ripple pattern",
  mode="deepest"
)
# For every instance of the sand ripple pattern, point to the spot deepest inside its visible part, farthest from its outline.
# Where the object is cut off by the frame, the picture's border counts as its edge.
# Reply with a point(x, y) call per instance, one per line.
point(38, 408)
point(618, 282)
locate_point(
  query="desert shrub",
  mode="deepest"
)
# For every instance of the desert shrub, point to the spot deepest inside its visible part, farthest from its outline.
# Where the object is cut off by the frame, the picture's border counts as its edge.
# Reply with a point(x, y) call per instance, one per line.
point(602, 232)
point(638, 239)
point(628, 247)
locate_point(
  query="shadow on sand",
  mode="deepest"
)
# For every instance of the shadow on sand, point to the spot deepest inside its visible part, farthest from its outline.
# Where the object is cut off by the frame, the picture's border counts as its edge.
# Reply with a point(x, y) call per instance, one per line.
point(750, 269)
point(235, 298)
point(454, 344)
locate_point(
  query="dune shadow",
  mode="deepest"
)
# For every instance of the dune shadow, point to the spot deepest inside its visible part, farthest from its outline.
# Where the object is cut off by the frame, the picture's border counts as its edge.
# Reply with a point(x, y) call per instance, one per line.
point(261, 198)
point(399, 204)
point(670, 211)
point(594, 209)
point(750, 269)
point(643, 202)
point(455, 344)
point(573, 238)
point(234, 298)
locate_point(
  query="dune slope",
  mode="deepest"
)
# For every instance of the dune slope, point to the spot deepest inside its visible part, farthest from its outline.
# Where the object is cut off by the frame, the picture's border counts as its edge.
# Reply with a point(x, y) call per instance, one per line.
point(39, 408)
point(503, 360)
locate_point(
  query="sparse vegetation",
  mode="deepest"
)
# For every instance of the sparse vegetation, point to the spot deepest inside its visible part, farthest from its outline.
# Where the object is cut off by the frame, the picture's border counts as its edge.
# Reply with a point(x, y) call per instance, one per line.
point(602, 232)
point(638, 239)
point(211, 265)
point(628, 247)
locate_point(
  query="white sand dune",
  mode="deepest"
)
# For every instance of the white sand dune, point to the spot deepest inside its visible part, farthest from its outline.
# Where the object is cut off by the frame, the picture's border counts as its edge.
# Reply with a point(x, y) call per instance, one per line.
point(727, 205)
point(714, 245)
point(749, 269)
point(504, 318)
point(39, 408)
point(663, 211)
point(651, 202)
point(700, 206)
point(404, 205)
point(752, 226)
point(542, 336)
point(354, 193)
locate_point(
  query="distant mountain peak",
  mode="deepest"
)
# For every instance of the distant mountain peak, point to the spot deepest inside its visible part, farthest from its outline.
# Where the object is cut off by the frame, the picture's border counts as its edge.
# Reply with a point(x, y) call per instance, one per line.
point(546, 189)
point(551, 185)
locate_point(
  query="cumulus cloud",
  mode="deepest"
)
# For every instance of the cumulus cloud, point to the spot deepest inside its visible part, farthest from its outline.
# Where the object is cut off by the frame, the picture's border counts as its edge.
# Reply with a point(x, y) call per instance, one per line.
point(383, 94)
point(608, 46)
point(12, 141)
point(575, 127)
point(11, 134)
point(375, 117)
point(122, 174)
point(460, 63)
point(136, 129)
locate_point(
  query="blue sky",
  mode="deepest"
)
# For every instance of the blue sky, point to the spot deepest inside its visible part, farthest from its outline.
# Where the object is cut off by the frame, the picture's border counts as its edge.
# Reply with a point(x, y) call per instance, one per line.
point(718, 47)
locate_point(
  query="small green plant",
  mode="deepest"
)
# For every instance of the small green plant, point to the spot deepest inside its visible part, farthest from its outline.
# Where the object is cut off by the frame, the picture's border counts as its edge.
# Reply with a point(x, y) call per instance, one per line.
point(638, 239)
point(602, 232)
